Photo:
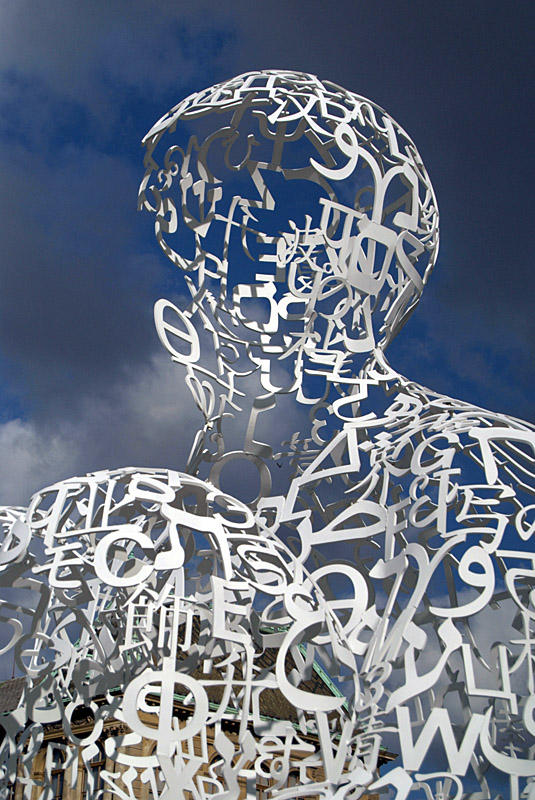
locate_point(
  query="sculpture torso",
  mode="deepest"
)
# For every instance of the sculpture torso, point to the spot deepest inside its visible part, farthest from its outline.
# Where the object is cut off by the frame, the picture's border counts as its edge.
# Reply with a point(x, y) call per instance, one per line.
point(414, 529)
point(432, 505)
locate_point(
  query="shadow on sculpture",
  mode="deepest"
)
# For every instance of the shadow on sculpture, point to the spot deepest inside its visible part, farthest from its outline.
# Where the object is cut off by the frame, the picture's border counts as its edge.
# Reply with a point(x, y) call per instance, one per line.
point(345, 569)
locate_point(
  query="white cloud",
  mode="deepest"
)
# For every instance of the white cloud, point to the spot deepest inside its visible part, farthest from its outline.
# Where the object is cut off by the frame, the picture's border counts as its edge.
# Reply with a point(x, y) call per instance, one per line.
point(147, 418)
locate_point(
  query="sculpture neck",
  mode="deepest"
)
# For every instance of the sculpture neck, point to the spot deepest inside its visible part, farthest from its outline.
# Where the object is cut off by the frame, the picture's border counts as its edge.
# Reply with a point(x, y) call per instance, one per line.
point(270, 437)
point(364, 387)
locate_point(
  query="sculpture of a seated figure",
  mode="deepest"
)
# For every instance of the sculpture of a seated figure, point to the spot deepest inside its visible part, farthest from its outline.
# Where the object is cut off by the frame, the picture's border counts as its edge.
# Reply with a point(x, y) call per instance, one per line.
point(347, 517)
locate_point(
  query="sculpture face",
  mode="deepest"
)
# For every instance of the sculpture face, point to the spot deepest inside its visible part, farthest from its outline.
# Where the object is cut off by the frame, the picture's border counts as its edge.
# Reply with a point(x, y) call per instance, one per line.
point(304, 210)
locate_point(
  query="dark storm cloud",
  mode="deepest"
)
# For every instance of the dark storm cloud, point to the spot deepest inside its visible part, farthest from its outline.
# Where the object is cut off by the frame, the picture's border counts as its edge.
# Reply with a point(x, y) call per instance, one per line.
point(458, 77)
point(80, 83)
point(84, 50)
point(78, 280)
point(67, 258)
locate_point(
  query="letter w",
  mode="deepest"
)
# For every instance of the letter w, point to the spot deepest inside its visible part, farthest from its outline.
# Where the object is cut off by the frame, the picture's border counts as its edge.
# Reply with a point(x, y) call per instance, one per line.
point(413, 753)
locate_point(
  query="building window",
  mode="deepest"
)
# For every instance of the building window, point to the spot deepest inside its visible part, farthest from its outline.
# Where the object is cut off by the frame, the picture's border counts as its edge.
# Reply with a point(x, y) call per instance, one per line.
point(157, 782)
point(94, 767)
point(293, 778)
point(262, 786)
point(57, 774)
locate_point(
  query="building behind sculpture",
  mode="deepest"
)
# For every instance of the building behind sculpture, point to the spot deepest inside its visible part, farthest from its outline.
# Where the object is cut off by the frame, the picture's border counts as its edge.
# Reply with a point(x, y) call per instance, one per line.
point(63, 771)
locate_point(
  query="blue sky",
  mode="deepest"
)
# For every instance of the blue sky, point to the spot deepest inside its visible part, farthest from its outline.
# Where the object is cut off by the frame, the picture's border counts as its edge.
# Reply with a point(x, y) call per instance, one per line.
point(84, 382)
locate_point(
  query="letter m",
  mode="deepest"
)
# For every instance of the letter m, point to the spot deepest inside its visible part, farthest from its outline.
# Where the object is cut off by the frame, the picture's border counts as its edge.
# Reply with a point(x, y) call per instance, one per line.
point(413, 753)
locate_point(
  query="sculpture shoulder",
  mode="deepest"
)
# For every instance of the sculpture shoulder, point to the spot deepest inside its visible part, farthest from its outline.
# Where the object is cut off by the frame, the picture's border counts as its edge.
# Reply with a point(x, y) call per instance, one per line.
point(417, 438)
point(99, 496)
point(495, 441)
point(465, 460)
point(129, 525)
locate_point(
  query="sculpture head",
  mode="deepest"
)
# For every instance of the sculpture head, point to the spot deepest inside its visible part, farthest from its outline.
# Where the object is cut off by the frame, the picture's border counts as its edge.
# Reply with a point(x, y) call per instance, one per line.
point(300, 210)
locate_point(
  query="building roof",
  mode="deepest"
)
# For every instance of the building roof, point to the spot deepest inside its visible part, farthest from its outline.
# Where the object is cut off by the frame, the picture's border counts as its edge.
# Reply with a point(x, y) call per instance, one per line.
point(272, 702)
